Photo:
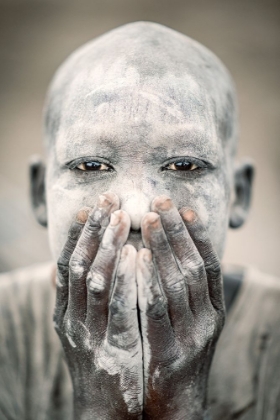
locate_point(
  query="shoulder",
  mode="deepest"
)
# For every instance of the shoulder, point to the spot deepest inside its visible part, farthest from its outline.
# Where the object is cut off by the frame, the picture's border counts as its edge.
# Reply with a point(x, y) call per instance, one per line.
point(259, 300)
point(246, 370)
point(256, 288)
point(25, 295)
point(27, 275)
point(31, 366)
point(27, 299)
point(26, 302)
point(19, 287)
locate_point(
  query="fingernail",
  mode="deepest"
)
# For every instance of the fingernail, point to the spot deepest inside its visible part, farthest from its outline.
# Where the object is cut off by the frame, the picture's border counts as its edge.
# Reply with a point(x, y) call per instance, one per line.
point(147, 256)
point(152, 220)
point(104, 201)
point(82, 215)
point(162, 203)
point(125, 252)
point(115, 218)
point(189, 216)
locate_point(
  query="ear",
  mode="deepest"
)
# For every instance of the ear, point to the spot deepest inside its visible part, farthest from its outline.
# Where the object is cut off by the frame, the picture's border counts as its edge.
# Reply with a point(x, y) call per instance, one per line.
point(243, 180)
point(37, 172)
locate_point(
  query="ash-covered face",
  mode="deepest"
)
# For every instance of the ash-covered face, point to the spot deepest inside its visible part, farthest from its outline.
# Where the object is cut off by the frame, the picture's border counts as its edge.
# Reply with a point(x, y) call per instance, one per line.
point(142, 111)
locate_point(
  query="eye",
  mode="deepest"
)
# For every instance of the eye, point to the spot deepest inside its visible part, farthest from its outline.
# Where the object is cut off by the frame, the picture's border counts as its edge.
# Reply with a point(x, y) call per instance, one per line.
point(93, 166)
point(182, 165)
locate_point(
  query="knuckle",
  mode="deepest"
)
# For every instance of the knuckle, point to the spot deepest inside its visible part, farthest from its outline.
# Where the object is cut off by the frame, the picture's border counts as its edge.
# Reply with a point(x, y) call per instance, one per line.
point(71, 333)
point(69, 327)
point(213, 266)
point(207, 332)
point(176, 284)
point(197, 340)
point(196, 267)
point(62, 265)
point(108, 246)
point(77, 265)
point(175, 280)
point(93, 225)
point(96, 284)
point(157, 308)
point(119, 309)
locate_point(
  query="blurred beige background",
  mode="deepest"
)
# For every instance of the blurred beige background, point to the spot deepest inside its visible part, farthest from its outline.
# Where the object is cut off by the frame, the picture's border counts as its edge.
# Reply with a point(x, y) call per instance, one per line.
point(37, 35)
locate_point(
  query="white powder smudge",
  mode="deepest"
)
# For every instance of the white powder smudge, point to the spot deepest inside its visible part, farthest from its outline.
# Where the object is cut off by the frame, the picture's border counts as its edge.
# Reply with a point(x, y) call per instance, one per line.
point(143, 295)
point(72, 343)
point(55, 324)
point(58, 282)
point(155, 377)
point(117, 363)
point(97, 215)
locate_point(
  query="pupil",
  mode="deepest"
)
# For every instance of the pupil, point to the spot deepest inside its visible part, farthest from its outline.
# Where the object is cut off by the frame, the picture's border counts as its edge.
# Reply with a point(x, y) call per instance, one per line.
point(93, 166)
point(182, 166)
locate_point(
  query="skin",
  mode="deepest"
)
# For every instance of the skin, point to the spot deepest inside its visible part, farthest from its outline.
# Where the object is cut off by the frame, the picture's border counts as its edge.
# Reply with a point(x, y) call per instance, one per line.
point(141, 102)
point(99, 334)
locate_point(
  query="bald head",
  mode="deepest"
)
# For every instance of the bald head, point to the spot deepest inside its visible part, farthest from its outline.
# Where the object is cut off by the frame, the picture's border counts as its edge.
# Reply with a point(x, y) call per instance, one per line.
point(146, 73)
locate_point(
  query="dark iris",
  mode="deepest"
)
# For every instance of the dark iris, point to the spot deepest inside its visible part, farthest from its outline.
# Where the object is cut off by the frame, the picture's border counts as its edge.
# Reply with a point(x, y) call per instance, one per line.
point(183, 166)
point(92, 166)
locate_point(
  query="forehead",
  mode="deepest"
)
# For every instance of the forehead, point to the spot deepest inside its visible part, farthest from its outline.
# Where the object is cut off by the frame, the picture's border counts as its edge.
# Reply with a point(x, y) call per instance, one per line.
point(141, 82)
point(173, 114)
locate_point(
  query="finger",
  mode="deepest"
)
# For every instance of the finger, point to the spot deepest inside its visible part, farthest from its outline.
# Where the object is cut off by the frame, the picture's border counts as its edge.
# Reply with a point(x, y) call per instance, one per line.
point(96, 224)
point(62, 272)
point(156, 329)
point(100, 279)
point(187, 255)
point(85, 253)
point(123, 329)
point(200, 237)
point(175, 230)
point(172, 280)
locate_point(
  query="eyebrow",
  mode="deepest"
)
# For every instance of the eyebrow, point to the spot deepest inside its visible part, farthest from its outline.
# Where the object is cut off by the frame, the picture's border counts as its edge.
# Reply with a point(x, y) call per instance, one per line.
point(184, 140)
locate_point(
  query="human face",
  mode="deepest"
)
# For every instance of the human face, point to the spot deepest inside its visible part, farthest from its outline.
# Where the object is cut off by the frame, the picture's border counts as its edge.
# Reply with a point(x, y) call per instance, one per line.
point(137, 140)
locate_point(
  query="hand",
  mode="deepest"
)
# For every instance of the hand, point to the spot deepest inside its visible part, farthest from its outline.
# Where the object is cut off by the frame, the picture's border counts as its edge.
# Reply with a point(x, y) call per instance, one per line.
point(96, 317)
point(182, 313)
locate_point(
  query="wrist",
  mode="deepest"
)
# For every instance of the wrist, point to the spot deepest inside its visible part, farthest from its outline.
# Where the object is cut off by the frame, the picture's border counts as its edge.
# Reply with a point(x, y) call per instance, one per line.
point(190, 404)
point(98, 408)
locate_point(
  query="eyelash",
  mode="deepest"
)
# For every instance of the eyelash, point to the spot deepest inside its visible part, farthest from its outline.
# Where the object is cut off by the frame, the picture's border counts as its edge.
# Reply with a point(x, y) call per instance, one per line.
point(100, 166)
point(192, 167)
point(96, 163)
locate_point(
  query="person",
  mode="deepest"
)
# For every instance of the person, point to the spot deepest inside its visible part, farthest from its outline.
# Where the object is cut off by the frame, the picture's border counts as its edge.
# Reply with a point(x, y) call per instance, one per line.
point(140, 186)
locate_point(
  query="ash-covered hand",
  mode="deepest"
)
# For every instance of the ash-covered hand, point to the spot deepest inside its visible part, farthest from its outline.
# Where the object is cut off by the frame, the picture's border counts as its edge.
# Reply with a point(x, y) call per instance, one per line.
point(96, 317)
point(182, 311)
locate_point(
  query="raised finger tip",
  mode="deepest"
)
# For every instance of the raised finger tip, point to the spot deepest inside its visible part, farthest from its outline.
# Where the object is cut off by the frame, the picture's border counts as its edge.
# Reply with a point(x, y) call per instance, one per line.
point(188, 215)
point(128, 249)
point(161, 203)
point(82, 215)
point(119, 216)
point(150, 219)
point(145, 255)
point(108, 199)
